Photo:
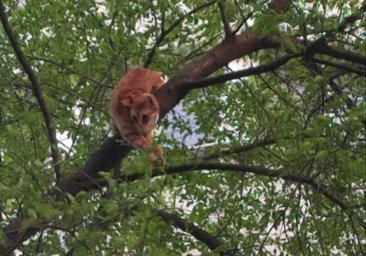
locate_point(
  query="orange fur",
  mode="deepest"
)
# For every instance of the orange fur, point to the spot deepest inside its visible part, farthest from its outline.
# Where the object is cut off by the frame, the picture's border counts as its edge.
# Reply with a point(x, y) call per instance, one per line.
point(135, 110)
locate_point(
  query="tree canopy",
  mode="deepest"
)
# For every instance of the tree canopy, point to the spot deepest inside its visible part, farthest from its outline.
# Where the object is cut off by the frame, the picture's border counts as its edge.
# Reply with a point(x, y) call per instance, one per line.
point(262, 120)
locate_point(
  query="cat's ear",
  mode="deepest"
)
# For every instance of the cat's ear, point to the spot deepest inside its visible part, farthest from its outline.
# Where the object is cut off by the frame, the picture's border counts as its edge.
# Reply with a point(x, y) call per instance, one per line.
point(127, 102)
point(150, 101)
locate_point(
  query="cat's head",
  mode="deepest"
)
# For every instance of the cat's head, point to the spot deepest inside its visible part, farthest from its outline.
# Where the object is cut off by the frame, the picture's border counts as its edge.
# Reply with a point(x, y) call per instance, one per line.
point(144, 112)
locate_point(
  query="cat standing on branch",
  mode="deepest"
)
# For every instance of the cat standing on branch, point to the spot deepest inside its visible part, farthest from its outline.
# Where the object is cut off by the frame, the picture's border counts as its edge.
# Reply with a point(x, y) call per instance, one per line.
point(135, 110)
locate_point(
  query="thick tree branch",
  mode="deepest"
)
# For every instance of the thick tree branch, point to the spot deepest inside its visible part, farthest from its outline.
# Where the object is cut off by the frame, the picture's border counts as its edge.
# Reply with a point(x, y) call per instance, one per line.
point(200, 234)
point(36, 87)
point(342, 54)
point(230, 49)
point(104, 159)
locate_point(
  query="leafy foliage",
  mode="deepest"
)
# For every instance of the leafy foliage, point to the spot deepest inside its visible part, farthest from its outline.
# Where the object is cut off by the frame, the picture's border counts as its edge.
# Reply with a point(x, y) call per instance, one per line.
point(310, 119)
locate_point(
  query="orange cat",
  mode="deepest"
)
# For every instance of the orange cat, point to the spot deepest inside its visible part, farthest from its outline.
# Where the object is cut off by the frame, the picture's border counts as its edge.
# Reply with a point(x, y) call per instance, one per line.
point(135, 110)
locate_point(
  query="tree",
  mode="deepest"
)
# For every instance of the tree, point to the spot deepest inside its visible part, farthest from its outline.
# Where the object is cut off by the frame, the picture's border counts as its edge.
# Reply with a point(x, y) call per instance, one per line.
point(262, 120)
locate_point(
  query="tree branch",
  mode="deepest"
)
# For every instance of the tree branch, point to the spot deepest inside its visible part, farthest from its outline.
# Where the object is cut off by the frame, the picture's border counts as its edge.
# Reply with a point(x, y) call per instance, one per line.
point(318, 187)
point(67, 68)
point(216, 166)
point(224, 19)
point(340, 66)
point(170, 218)
point(241, 73)
point(36, 87)
point(230, 49)
point(200, 234)
point(239, 149)
point(110, 153)
point(242, 22)
point(320, 47)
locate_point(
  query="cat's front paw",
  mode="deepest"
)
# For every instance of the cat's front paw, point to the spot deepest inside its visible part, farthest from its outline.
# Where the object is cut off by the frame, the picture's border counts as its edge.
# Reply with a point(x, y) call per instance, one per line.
point(157, 156)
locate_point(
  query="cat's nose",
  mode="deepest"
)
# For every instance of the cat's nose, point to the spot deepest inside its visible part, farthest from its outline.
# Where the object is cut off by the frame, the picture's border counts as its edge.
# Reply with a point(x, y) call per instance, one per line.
point(145, 119)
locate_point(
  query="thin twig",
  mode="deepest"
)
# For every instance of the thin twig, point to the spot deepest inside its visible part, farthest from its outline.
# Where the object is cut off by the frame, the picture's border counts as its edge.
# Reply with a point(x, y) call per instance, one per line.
point(242, 22)
point(224, 19)
point(67, 68)
point(351, 19)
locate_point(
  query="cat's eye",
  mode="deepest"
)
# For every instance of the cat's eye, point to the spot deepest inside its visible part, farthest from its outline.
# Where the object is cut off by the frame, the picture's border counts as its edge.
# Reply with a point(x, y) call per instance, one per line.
point(134, 119)
point(145, 119)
